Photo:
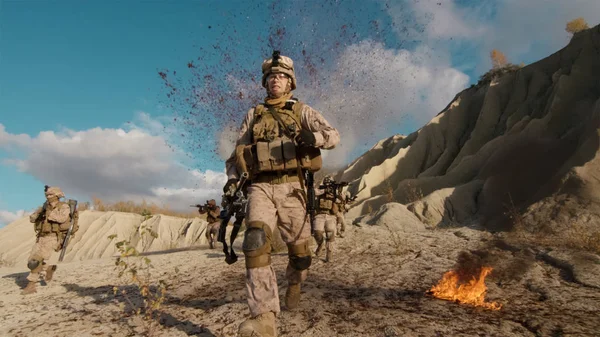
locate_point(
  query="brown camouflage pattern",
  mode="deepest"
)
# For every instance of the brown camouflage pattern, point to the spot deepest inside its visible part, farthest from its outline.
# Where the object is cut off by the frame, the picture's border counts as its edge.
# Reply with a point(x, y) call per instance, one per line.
point(282, 206)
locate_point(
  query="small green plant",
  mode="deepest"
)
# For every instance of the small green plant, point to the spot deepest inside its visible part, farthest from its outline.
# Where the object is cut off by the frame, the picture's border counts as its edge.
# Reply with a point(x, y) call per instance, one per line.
point(134, 269)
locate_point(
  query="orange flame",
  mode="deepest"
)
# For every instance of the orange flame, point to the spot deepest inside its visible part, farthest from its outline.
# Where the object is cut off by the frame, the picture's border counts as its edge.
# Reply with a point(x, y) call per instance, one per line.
point(472, 293)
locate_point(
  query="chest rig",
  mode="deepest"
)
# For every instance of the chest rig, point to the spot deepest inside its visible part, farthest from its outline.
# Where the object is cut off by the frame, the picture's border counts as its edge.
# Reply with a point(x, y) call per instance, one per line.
point(44, 226)
point(326, 203)
point(273, 149)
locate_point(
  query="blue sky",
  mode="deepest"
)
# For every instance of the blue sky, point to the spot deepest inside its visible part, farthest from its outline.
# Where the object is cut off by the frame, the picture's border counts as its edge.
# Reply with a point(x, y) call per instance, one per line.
point(82, 105)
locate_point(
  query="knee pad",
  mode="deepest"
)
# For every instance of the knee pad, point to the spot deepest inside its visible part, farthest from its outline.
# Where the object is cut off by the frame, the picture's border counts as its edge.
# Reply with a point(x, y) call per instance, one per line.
point(299, 256)
point(257, 245)
point(330, 236)
point(319, 235)
point(33, 264)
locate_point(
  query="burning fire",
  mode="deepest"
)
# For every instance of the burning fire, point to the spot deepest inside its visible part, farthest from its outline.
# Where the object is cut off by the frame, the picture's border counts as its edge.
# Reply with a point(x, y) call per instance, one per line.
point(472, 293)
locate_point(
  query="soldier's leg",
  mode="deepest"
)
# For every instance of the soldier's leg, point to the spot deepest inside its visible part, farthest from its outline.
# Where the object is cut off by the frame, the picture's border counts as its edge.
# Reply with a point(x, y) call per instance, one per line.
point(330, 229)
point(341, 223)
point(207, 235)
point(41, 251)
point(216, 232)
point(294, 225)
point(319, 233)
point(261, 284)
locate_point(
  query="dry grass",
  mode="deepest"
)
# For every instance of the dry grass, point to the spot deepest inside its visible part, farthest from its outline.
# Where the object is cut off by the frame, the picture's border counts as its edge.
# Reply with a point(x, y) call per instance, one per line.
point(143, 208)
point(498, 72)
point(576, 236)
point(413, 193)
point(576, 25)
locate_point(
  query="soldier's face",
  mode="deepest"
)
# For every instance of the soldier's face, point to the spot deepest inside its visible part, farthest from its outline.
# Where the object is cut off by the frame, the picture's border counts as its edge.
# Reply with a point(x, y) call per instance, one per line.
point(278, 84)
point(52, 199)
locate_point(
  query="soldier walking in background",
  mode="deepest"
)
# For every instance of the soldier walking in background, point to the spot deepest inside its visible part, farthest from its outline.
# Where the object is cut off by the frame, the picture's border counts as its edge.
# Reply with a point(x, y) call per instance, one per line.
point(51, 223)
point(325, 221)
point(212, 212)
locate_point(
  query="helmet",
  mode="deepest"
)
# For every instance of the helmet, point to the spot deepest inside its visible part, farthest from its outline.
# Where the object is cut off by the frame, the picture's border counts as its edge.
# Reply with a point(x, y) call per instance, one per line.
point(327, 180)
point(212, 203)
point(54, 191)
point(278, 64)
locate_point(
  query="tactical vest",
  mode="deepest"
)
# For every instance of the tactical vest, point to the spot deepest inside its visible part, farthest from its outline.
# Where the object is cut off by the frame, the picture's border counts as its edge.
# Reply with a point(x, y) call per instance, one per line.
point(272, 149)
point(326, 204)
point(45, 227)
point(212, 214)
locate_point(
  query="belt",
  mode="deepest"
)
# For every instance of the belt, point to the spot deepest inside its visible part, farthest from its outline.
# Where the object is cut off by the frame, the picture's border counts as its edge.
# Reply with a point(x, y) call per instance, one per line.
point(277, 177)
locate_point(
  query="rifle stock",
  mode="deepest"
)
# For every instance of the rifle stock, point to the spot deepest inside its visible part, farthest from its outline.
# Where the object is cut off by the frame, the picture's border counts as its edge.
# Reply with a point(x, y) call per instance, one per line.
point(72, 209)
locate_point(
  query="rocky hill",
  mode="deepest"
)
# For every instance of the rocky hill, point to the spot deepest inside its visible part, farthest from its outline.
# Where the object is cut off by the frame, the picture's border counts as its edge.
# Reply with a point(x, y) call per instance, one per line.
point(91, 241)
point(524, 141)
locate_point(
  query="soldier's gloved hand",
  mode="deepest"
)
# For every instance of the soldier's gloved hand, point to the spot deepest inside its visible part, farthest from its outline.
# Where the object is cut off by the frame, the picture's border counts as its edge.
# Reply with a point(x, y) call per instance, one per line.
point(231, 182)
point(306, 138)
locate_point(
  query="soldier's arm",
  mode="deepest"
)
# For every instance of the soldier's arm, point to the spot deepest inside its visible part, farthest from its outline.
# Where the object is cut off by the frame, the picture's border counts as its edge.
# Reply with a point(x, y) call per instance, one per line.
point(244, 138)
point(326, 136)
point(60, 214)
point(33, 217)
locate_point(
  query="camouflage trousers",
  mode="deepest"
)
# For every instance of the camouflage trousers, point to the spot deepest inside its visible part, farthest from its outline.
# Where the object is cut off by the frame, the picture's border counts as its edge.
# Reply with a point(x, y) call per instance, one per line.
point(341, 222)
point(42, 250)
point(278, 206)
point(212, 230)
point(326, 224)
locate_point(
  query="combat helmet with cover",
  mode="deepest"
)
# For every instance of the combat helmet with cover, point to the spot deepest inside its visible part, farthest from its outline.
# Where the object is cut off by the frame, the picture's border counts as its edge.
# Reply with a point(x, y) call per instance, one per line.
point(278, 64)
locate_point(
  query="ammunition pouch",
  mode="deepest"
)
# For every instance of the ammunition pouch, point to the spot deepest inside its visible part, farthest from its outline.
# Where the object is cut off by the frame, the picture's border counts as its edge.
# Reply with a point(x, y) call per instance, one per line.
point(257, 245)
point(299, 256)
point(273, 151)
point(325, 206)
point(45, 227)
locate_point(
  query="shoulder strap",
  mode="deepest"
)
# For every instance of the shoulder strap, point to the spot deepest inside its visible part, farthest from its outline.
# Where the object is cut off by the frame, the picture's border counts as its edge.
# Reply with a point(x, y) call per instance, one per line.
point(297, 108)
point(282, 125)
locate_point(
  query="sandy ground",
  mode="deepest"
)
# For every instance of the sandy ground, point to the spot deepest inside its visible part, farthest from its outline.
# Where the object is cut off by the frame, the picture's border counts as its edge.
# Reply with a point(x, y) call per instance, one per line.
point(377, 286)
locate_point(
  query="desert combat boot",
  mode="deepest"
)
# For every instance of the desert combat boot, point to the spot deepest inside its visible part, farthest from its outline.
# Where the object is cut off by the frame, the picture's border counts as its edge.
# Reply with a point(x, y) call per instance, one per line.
point(292, 296)
point(50, 273)
point(262, 325)
point(30, 289)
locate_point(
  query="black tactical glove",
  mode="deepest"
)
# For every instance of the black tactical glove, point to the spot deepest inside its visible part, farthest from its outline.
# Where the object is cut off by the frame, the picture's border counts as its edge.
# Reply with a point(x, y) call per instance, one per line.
point(228, 184)
point(306, 138)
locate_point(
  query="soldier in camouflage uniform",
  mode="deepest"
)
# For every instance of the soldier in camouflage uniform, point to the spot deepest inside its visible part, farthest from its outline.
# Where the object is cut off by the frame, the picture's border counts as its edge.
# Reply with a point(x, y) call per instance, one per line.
point(212, 229)
point(278, 142)
point(51, 221)
point(325, 220)
point(342, 202)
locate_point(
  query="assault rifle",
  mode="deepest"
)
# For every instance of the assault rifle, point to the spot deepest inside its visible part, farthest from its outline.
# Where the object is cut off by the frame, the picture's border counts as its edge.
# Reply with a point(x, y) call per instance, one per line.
point(333, 187)
point(234, 202)
point(201, 208)
point(72, 209)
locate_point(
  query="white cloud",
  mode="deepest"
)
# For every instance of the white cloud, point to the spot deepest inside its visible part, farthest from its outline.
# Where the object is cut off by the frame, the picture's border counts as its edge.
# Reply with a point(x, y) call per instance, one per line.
point(523, 30)
point(7, 217)
point(113, 164)
point(372, 89)
point(535, 26)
